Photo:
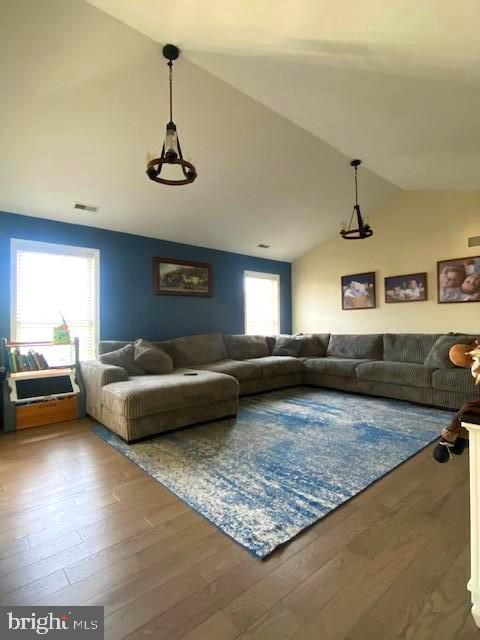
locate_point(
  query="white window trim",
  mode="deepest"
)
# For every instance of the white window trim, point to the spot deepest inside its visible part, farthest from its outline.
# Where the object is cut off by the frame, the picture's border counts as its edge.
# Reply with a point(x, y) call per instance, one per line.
point(267, 276)
point(17, 244)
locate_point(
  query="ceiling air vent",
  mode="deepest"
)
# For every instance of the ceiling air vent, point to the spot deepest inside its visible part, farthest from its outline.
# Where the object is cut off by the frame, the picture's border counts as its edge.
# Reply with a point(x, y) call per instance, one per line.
point(474, 241)
point(81, 206)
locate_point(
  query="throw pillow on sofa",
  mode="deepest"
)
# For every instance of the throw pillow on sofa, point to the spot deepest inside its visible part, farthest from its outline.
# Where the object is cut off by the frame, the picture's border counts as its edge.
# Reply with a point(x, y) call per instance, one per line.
point(152, 359)
point(243, 347)
point(438, 357)
point(271, 341)
point(287, 346)
point(313, 344)
point(124, 358)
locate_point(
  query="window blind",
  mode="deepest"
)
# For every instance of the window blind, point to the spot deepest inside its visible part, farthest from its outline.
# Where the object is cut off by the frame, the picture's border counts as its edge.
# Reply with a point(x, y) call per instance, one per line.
point(49, 280)
point(262, 303)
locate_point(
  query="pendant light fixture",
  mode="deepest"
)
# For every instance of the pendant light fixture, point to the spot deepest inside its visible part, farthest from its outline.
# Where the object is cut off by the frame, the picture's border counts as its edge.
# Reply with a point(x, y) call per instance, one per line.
point(363, 229)
point(171, 150)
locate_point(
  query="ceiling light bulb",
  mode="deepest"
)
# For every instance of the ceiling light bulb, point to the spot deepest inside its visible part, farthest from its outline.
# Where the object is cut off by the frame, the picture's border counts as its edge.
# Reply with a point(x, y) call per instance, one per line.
point(171, 145)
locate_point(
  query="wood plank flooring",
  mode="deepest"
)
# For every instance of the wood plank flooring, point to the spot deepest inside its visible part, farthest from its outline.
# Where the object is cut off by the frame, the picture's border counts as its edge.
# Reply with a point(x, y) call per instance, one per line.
point(80, 524)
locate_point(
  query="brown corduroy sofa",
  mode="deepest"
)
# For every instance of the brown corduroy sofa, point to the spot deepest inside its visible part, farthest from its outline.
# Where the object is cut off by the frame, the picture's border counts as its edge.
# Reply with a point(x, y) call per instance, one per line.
point(211, 371)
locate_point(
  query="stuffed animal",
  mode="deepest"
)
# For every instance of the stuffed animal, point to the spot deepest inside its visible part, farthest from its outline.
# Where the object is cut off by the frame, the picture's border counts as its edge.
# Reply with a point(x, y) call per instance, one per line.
point(475, 355)
point(460, 356)
point(454, 438)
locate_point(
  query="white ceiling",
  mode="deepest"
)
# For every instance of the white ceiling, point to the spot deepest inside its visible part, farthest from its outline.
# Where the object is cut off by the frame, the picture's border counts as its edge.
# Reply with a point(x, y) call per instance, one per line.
point(397, 83)
point(84, 99)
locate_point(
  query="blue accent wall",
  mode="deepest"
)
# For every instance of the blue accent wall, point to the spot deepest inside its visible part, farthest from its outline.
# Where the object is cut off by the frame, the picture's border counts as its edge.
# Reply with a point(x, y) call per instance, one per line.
point(128, 307)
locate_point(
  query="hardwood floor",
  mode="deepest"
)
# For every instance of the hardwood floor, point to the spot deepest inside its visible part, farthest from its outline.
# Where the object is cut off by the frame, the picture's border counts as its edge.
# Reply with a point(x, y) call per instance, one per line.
point(80, 524)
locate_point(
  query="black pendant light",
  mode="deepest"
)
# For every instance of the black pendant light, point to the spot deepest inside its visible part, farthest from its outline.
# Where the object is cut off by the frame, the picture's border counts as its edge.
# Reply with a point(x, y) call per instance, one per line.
point(363, 229)
point(171, 150)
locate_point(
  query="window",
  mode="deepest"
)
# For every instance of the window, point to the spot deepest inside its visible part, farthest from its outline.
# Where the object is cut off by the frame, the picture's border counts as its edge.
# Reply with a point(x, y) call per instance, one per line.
point(48, 280)
point(262, 303)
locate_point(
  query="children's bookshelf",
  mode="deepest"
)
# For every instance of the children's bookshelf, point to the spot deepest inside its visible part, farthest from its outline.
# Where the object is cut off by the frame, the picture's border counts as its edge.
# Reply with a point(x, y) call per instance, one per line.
point(35, 394)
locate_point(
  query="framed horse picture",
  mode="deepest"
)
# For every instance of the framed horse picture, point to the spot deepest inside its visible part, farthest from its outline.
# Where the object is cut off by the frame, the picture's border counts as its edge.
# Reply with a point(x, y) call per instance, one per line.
point(181, 277)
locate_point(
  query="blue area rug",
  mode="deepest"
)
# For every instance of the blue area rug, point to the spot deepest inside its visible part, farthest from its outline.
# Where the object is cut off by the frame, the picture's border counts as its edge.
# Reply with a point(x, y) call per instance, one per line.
point(290, 458)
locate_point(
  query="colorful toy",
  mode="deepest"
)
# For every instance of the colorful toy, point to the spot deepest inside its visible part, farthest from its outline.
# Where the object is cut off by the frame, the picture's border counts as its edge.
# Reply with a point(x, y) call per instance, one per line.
point(61, 333)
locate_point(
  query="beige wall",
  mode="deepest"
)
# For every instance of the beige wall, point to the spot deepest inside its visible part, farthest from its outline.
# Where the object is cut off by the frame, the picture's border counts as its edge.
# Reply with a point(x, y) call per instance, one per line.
point(412, 231)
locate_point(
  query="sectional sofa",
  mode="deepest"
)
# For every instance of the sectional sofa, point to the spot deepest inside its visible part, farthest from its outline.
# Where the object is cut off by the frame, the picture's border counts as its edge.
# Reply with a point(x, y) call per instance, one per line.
point(141, 389)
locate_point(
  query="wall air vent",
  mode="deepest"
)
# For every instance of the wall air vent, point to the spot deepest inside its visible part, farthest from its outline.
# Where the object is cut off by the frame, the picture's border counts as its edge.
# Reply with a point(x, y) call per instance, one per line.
point(474, 241)
point(81, 206)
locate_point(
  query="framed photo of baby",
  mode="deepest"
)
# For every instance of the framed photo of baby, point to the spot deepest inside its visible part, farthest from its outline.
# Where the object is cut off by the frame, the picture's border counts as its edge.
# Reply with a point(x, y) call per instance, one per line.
point(358, 291)
point(459, 280)
point(409, 288)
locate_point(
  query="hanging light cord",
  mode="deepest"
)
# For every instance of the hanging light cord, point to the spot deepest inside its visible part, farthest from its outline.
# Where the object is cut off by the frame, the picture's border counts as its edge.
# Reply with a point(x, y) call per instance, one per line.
point(170, 80)
point(356, 187)
point(356, 201)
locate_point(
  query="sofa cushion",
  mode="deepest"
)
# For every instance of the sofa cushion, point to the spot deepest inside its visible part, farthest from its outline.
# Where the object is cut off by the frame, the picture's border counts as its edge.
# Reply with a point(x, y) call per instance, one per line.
point(152, 359)
point(239, 369)
point(106, 346)
point(313, 344)
point(272, 339)
point(455, 379)
point(439, 353)
point(356, 346)
point(286, 346)
point(408, 347)
point(123, 357)
point(400, 373)
point(199, 349)
point(241, 347)
point(147, 395)
point(277, 365)
point(331, 366)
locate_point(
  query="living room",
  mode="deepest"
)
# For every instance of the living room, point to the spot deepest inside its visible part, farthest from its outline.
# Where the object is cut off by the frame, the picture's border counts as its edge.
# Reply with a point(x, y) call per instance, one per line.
point(233, 370)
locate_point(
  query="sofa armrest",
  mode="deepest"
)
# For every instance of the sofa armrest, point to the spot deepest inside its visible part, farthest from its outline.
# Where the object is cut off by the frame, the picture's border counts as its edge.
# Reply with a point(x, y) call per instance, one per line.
point(96, 375)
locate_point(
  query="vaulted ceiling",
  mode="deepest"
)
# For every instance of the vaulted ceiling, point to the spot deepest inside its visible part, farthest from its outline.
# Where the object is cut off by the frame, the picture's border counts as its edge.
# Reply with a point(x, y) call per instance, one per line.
point(396, 82)
point(272, 100)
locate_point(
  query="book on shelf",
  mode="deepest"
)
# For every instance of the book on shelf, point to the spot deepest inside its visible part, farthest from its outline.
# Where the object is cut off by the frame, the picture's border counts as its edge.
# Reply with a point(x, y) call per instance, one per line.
point(12, 362)
point(31, 361)
point(43, 362)
point(36, 357)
